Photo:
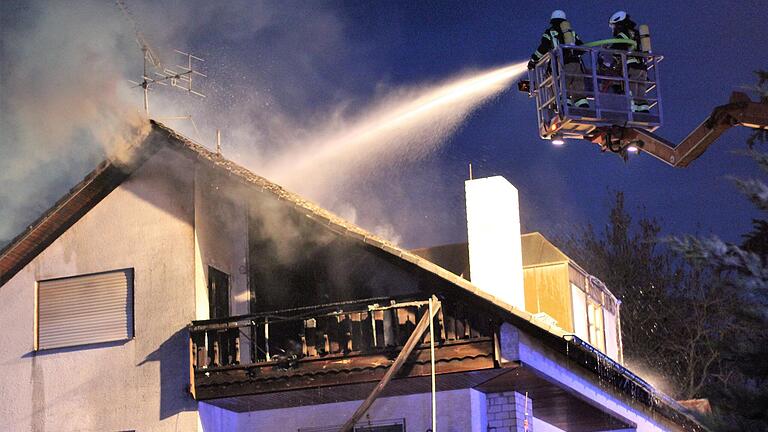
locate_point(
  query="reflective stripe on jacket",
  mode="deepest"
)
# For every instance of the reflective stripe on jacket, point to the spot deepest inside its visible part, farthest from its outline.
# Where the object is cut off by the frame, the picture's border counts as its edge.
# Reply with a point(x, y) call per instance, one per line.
point(551, 39)
point(627, 29)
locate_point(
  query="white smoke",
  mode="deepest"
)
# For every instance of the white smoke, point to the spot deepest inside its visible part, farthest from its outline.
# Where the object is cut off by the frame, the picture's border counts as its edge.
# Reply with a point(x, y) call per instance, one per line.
point(65, 103)
point(65, 96)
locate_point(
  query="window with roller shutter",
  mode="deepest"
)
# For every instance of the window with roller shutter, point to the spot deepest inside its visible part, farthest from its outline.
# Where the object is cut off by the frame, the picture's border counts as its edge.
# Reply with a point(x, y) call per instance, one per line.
point(87, 309)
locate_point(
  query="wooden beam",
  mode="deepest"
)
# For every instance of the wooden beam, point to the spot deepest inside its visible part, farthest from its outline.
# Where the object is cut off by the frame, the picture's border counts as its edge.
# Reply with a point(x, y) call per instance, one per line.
point(413, 340)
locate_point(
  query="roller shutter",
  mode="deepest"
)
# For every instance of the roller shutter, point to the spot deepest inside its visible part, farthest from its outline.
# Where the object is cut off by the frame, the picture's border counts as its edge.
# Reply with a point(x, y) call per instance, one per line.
point(85, 309)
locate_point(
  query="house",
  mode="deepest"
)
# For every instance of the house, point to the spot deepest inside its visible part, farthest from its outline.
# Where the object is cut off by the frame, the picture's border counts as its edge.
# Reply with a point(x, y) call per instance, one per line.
point(557, 290)
point(175, 290)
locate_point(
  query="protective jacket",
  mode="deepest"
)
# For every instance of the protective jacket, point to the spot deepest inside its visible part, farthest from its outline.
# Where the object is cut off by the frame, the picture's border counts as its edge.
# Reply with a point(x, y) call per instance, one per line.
point(551, 38)
point(627, 29)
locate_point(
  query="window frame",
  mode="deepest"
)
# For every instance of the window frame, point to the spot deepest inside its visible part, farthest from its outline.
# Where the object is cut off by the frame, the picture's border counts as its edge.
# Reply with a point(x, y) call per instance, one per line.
point(130, 304)
point(594, 317)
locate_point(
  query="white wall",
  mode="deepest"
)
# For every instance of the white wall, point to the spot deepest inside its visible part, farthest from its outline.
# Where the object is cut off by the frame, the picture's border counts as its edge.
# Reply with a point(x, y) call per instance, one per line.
point(141, 384)
point(493, 231)
point(221, 241)
point(457, 411)
point(568, 375)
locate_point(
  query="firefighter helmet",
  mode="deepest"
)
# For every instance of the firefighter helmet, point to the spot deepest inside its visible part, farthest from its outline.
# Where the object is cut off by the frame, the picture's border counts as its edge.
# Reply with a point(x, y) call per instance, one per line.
point(558, 14)
point(616, 18)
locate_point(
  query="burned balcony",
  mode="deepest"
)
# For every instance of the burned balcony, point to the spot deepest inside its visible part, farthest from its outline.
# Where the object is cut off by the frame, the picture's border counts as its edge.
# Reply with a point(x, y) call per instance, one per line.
point(331, 345)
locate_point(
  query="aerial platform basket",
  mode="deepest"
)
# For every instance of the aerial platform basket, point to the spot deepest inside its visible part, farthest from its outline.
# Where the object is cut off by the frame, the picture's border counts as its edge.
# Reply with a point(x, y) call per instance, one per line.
point(610, 118)
point(602, 77)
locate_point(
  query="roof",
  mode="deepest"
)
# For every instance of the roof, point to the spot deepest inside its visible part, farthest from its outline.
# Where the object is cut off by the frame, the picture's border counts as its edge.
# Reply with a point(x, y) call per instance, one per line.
point(112, 172)
point(73, 205)
point(452, 257)
point(537, 251)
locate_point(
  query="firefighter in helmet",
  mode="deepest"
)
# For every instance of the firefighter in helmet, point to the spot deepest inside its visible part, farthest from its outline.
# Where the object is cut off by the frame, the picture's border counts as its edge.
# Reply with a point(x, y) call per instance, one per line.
point(552, 37)
point(624, 28)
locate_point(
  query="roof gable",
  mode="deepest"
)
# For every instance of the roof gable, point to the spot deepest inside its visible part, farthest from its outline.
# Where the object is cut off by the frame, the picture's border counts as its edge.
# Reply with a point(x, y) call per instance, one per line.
point(107, 176)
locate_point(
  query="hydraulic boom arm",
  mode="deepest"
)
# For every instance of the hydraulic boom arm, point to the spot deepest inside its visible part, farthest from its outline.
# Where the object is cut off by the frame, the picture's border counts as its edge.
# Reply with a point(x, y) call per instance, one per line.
point(740, 111)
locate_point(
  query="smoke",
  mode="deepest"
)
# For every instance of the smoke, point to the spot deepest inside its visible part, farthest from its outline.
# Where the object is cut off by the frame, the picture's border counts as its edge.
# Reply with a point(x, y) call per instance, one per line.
point(285, 86)
point(64, 102)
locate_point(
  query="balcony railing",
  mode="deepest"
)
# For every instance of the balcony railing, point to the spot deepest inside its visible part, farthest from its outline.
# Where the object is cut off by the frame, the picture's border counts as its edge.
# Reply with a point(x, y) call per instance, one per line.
point(283, 337)
point(242, 355)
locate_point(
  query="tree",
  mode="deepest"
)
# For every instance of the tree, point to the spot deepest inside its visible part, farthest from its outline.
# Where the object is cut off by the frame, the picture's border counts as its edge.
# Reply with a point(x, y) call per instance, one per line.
point(741, 396)
point(694, 309)
point(740, 393)
point(668, 306)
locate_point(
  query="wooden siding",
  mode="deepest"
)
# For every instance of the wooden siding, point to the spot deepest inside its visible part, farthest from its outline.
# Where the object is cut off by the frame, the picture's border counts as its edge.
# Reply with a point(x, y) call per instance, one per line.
point(577, 278)
point(547, 290)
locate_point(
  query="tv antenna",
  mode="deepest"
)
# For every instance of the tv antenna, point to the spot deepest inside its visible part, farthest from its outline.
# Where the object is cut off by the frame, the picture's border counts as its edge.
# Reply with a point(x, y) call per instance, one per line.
point(155, 72)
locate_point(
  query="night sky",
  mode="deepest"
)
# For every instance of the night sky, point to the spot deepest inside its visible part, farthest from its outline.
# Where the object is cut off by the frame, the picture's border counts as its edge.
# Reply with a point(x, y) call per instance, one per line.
point(710, 49)
point(308, 57)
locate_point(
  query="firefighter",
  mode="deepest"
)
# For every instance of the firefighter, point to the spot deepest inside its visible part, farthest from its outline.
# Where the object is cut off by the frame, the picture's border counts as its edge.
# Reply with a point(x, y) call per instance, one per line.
point(550, 39)
point(624, 28)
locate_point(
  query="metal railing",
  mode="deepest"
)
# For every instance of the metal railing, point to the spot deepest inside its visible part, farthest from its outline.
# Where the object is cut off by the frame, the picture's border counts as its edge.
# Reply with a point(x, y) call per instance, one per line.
point(286, 337)
point(604, 80)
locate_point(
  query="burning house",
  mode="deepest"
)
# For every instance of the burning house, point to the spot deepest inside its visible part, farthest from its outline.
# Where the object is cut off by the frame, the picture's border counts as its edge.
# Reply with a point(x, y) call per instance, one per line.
point(175, 290)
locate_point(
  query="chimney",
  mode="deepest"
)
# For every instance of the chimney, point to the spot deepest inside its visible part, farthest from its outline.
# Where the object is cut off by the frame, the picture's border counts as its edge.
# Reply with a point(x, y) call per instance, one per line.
point(495, 249)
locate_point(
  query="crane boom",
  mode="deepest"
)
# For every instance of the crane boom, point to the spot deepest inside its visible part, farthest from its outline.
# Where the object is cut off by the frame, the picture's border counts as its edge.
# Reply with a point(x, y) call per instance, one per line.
point(740, 111)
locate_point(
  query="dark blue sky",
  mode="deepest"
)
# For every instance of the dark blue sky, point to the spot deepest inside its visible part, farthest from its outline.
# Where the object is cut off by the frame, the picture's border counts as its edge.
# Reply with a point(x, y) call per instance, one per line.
point(710, 49)
point(269, 61)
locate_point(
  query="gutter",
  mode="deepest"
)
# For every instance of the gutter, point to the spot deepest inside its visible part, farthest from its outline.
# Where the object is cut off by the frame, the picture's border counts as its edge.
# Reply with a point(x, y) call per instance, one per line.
point(627, 382)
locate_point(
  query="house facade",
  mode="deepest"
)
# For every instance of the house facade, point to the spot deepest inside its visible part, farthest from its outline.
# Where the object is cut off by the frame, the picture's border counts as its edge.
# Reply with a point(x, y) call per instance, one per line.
point(175, 290)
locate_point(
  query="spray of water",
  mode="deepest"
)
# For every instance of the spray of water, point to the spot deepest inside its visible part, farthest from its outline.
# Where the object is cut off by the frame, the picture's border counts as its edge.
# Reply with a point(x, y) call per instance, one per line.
point(405, 126)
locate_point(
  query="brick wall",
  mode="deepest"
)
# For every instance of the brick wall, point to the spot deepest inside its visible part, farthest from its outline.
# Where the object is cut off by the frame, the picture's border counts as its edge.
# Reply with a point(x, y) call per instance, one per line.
point(507, 413)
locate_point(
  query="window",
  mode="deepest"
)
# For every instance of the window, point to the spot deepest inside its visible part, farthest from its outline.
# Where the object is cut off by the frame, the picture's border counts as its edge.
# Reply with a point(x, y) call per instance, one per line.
point(596, 332)
point(218, 293)
point(611, 335)
point(382, 428)
point(365, 426)
point(85, 309)
point(580, 327)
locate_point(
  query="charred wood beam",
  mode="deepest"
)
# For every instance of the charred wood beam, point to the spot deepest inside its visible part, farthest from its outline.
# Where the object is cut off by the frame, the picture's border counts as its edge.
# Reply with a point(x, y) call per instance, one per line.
point(398, 363)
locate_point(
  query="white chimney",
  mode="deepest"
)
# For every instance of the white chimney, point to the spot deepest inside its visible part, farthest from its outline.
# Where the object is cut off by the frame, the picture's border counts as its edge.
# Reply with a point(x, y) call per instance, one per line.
point(495, 249)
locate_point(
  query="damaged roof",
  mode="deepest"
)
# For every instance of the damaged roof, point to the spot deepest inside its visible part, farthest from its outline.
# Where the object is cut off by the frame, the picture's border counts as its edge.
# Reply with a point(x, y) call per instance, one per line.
point(108, 175)
point(112, 172)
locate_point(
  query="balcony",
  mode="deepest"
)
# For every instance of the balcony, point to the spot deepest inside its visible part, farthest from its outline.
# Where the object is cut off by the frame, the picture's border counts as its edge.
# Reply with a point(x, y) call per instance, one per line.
point(314, 348)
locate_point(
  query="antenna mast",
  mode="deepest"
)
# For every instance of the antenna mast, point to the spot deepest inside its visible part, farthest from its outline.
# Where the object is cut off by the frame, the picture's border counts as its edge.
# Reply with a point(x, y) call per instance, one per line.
point(178, 76)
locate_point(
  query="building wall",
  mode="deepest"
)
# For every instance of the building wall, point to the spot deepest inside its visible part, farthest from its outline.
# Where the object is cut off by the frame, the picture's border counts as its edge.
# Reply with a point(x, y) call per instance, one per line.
point(457, 411)
point(569, 376)
point(140, 384)
point(221, 240)
point(509, 412)
point(547, 290)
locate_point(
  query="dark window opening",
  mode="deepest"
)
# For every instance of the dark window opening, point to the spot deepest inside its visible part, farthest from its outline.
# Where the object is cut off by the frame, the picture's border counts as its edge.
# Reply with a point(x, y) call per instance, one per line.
point(389, 428)
point(218, 293)
point(366, 426)
point(223, 351)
